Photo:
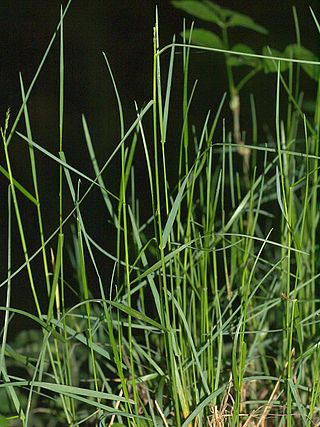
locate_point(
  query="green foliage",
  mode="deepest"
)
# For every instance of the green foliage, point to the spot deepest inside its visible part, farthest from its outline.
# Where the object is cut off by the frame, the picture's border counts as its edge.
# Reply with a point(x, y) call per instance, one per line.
point(271, 66)
point(211, 313)
point(235, 60)
point(225, 19)
point(296, 51)
point(205, 38)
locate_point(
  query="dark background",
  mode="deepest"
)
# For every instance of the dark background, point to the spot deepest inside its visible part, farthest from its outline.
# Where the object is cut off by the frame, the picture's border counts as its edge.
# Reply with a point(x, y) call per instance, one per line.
point(123, 30)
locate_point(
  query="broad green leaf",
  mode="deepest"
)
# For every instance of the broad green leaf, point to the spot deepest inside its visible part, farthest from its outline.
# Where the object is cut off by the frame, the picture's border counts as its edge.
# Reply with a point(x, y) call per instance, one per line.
point(222, 12)
point(241, 47)
point(241, 20)
point(270, 65)
point(238, 60)
point(297, 51)
point(205, 38)
point(199, 10)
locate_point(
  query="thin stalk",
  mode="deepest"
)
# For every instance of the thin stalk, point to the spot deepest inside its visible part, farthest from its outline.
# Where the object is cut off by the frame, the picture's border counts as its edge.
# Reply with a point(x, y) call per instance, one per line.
point(163, 277)
point(19, 221)
point(36, 189)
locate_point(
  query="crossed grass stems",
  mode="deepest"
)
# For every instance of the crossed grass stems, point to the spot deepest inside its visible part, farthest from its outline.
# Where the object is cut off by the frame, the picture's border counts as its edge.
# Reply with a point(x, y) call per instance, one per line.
point(232, 338)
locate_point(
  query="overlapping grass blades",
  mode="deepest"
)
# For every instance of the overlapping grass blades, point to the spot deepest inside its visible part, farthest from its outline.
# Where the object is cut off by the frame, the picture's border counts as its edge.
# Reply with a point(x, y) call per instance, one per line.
point(210, 314)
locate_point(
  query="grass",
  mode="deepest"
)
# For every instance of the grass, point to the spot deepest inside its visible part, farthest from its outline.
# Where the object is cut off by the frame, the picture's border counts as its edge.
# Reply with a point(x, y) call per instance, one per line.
point(211, 314)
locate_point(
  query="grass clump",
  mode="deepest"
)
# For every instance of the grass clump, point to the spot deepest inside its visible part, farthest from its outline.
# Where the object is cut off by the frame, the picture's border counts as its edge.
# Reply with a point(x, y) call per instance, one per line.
point(210, 315)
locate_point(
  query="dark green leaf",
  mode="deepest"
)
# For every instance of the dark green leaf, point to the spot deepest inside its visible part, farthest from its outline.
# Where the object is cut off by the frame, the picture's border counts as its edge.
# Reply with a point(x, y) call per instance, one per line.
point(205, 38)
point(297, 51)
point(199, 10)
point(309, 106)
point(271, 65)
point(240, 20)
point(222, 12)
point(238, 60)
point(241, 47)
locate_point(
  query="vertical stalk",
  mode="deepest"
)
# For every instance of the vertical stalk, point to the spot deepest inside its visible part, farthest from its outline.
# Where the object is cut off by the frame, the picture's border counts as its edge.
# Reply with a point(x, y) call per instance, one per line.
point(162, 278)
point(19, 219)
